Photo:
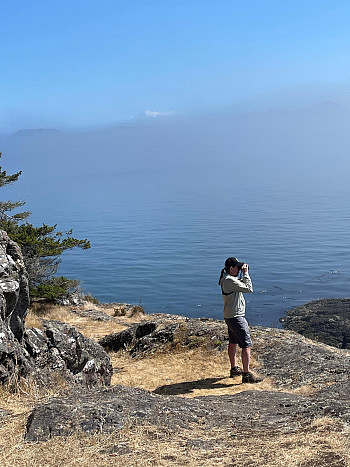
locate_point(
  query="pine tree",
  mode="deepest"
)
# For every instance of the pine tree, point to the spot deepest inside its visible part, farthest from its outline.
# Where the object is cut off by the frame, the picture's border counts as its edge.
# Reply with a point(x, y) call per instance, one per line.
point(8, 206)
point(41, 246)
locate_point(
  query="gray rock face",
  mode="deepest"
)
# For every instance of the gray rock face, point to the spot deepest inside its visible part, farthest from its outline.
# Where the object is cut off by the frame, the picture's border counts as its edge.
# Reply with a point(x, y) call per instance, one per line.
point(59, 348)
point(14, 360)
point(107, 410)
point(129, 337)
point(95, 315)
point(14, 291)
point(326, 320)
point(144, 338)
point(62, 349)
point(294, 361)
point(335, 400)
point(14, 299)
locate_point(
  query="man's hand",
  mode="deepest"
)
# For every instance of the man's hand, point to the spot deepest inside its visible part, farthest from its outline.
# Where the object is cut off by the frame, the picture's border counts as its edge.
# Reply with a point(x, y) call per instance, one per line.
point(245, 268)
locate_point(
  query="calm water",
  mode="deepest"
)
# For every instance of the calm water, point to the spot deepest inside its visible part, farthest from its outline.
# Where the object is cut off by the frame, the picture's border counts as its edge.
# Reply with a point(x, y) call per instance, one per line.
point(163, 247)
point(164, 206)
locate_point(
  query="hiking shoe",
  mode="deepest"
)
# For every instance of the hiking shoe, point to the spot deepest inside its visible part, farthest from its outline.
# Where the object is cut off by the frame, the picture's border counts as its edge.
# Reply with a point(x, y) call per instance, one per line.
point(236, 371)
point(250, 378)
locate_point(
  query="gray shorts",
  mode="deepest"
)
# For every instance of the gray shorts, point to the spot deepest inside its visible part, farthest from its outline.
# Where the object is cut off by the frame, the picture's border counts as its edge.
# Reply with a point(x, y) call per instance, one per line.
point(238, 332)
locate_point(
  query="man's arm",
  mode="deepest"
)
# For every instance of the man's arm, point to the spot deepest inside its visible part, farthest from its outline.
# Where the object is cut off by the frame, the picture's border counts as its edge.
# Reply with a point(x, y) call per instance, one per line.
point(245, 285)
point(246, 277)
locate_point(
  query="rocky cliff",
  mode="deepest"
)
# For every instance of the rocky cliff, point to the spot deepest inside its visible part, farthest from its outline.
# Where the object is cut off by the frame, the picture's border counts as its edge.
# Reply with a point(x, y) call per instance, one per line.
point(41, 354)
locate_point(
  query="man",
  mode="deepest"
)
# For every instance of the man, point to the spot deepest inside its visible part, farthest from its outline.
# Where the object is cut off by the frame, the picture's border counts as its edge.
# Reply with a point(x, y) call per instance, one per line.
point(233, 288)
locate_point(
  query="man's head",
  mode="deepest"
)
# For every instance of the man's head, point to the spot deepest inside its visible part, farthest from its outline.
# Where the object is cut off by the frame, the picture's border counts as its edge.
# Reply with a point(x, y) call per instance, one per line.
point(233, 266)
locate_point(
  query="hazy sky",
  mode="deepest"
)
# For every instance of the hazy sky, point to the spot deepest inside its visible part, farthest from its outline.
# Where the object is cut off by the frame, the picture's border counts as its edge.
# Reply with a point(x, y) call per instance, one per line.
point(87, 62)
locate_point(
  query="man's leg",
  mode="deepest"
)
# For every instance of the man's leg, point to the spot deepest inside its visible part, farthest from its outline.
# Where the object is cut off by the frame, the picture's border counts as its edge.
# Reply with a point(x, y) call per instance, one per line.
point(232, 351)
point(247, 376)
point(246, 359)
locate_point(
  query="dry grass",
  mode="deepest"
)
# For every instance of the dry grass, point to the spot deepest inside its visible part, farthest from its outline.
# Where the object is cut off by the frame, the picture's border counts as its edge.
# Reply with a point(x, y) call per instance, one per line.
point(33, 321)
point(323, 443)
point(27, 394)
point(186, 372)
point(208, 447)
point(88, 327)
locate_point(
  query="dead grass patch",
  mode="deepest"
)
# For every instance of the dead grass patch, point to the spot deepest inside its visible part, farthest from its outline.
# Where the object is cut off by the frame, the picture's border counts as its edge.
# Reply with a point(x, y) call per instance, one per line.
point(308, 390)
point(185, 372)
point(28, 393)
point(201, 446)
point(33, 320)
point(324, 442)
point(88, 327)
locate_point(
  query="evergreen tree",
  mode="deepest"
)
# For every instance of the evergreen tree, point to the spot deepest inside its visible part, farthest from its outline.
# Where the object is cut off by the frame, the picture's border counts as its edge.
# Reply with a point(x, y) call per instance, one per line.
point(41, 246)
point(8, 206)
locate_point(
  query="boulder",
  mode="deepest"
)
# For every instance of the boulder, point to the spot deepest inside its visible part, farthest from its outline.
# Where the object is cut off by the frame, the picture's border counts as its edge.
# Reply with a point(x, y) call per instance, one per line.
point(326, 320)
point(148, 336)
point(60, 348)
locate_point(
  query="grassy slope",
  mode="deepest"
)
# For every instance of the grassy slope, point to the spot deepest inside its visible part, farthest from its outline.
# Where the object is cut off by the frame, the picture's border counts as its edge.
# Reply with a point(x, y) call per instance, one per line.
point(186, 373)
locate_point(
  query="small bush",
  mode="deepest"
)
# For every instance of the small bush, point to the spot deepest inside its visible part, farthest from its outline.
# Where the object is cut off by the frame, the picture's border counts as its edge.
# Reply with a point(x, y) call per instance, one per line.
point(128, 310)
point(91, 299)
point(54, 288)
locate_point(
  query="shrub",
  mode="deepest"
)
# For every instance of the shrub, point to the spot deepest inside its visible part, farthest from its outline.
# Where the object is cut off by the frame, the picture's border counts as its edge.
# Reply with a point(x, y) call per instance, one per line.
point(91, 299)
point(54, 288)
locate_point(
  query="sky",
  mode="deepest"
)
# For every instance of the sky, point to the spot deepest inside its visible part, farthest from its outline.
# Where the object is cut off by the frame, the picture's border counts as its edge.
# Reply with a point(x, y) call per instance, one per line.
point(80, 63)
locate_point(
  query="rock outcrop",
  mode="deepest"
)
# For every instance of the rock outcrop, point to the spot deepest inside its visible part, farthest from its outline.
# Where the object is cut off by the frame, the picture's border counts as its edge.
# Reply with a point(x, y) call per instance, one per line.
point(14, 300)
point(326, 320)
point(148, 336)
point(108, 410)
point(60, 349)
point(57, 349)
point(94, 315)
point(14, 291)
point(289, 358)
point(310, 379)
point(293, 361)
point(14, 360)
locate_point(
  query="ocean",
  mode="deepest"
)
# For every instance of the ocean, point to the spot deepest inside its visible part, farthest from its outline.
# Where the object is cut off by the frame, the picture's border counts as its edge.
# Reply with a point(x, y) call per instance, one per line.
point(164, 249)
point(165, 205)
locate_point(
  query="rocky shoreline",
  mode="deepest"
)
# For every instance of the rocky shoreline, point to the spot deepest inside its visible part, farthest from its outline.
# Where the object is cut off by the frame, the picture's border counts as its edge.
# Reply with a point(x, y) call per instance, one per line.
point(326, 320)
